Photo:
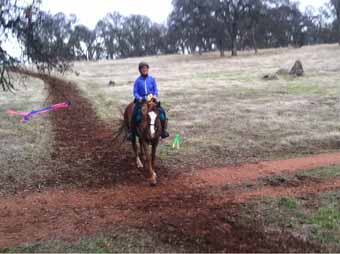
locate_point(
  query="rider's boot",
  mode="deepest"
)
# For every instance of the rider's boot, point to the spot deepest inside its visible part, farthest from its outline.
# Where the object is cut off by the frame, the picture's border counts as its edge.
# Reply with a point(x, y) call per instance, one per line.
point(165, 133)
point(130, 135)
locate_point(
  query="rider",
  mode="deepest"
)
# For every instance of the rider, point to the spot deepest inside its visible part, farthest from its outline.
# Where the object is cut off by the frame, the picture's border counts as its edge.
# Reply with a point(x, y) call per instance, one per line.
point(145, 85)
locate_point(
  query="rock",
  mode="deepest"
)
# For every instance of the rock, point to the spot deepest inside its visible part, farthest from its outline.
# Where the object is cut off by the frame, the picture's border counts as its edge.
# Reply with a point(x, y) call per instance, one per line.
point(297, 69)
point(270, 77)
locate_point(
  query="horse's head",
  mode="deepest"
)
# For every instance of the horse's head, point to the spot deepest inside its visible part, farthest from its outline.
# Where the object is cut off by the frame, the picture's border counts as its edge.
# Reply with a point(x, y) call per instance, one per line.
point(151, 126)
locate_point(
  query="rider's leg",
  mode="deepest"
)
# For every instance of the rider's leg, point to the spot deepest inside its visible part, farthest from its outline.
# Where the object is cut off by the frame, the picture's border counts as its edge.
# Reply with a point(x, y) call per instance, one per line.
point(164, 122)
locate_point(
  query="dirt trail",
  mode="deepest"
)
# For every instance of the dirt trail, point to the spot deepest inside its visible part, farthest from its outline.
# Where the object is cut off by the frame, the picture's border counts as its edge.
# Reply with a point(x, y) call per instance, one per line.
point(84, 143)
point(101, 188)
point(59, 214)
point(253, 171)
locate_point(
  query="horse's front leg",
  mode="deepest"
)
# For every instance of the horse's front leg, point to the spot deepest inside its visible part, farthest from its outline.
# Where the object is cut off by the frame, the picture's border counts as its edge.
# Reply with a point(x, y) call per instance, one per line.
point(152, 174)
point(141, 149)
point(154, 150)
point(138, 160)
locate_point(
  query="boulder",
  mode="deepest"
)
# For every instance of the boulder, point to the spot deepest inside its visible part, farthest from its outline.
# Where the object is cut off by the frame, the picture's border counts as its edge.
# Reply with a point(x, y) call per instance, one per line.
point(112, 83)
point(297, 69)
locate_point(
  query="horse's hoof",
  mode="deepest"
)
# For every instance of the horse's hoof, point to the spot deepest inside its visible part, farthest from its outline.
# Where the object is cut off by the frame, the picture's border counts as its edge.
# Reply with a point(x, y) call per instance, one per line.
point(139, 163)
point(153, 183)
point(153, 180)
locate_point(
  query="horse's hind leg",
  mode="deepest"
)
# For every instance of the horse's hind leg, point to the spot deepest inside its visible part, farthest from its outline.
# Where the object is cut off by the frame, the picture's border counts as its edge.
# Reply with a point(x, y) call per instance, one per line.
point(138, 160)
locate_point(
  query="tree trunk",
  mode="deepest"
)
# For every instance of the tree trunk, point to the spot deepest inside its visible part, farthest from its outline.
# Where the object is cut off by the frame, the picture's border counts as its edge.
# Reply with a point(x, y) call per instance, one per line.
point(221, 48)
point(337, 8)
point(254, 39)
point(339, 30)
point(234, 39)
point(234, 46)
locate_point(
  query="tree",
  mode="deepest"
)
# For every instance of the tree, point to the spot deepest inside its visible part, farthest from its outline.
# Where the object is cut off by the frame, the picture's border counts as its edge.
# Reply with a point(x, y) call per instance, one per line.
point(137, 33)
point(110, 32)
point(256, 9)
point(46, 41)
point(84, 42)
point(44, 38)
point(168, 41)
point(234, 11)
point(311, 25)
point(11, 25)
point(197, 26)
point(336, 6)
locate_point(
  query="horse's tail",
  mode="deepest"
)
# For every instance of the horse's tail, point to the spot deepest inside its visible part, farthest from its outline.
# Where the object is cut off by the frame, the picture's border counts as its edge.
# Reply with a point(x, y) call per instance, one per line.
point(121, 133)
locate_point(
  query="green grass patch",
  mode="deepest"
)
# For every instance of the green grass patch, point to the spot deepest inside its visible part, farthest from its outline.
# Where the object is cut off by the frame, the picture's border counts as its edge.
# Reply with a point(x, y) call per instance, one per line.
point(327, 218)
point(322, 173)
point(315, 218)
point(289, 203)
point(100, 245)
point(121, 241)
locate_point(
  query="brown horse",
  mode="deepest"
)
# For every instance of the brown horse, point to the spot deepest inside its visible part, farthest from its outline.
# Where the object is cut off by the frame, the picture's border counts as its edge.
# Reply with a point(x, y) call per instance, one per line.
point(149, 132)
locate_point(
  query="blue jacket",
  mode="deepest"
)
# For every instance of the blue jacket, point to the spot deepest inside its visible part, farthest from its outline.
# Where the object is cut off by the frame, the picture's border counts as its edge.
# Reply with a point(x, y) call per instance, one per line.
point(144, 87)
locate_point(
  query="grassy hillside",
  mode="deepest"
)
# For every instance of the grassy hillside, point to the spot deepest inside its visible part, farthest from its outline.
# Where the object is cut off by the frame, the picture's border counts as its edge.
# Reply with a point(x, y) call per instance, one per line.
point(224, 110)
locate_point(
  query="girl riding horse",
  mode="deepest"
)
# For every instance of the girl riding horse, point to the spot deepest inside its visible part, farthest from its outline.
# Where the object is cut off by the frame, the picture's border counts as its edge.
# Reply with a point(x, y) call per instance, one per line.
point(145, 87)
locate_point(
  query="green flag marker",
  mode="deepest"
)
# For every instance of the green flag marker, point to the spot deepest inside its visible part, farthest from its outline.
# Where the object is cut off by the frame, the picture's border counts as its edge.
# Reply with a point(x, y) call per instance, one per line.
point(177, 142)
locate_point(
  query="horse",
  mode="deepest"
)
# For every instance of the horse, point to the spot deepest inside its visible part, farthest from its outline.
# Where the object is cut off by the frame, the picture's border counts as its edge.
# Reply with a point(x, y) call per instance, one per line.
point(148, 131)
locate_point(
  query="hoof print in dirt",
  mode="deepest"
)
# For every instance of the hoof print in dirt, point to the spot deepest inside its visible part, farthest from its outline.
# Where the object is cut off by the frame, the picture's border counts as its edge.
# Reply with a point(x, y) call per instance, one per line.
point(297, 69)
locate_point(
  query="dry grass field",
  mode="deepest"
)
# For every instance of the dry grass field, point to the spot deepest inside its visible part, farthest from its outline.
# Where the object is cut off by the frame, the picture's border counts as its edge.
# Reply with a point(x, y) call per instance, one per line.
point(25, 148)
point(223, 109)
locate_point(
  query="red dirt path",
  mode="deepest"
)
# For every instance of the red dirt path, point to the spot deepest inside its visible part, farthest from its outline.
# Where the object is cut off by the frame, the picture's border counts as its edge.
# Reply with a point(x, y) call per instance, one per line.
point(101, 188)
point(253, 171)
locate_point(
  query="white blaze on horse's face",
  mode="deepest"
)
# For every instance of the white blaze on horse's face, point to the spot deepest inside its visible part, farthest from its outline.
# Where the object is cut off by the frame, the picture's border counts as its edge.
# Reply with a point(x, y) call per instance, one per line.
point(153, 117)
